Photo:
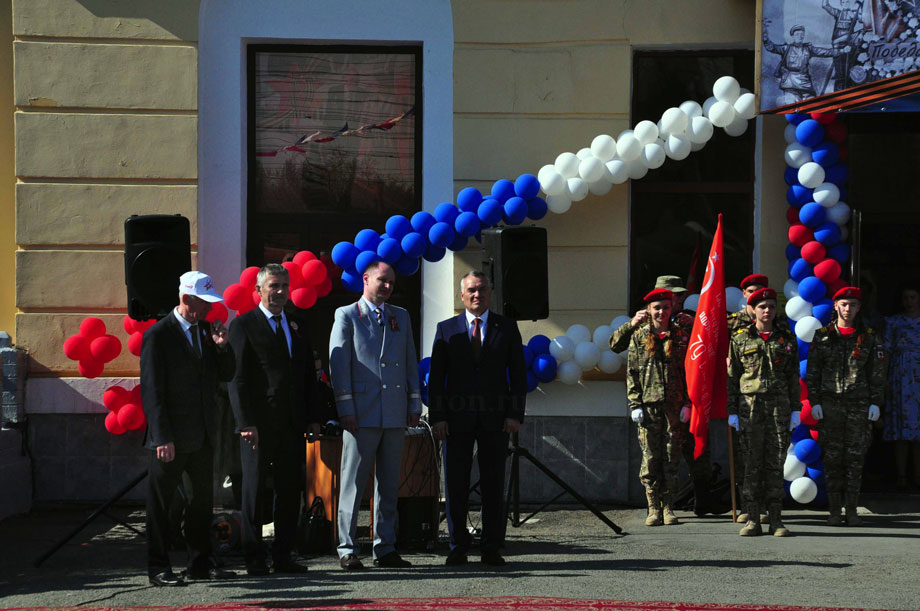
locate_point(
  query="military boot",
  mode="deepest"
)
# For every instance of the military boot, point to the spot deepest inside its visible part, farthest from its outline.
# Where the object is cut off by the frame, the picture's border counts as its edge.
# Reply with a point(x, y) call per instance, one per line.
point(742, 517)
point(776, 523)
point(752, 526)
point(654, 510)
point(833, 505)
point(669, 518)
point(852, 517)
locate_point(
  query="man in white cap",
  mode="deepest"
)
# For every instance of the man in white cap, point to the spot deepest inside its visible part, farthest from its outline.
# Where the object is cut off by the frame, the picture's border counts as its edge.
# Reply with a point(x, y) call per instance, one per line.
point(182, 359)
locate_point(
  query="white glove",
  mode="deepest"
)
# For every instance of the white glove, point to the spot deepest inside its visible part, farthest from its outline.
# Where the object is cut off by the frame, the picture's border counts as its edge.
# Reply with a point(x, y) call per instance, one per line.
point(795, 420)
point(816, 412)
point(733, 422)
point(637, 415)
point(685, 413)
point(874, 413)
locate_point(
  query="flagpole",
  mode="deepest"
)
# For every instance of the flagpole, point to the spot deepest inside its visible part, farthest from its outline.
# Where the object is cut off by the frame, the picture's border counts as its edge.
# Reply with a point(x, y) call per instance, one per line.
point(731, 473)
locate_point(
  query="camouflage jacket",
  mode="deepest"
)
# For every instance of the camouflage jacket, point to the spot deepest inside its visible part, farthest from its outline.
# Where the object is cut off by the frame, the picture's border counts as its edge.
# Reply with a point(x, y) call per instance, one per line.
point(757, 366)
point(656, 377)
point(853, 368)
point(741, 318)
point(619, 340)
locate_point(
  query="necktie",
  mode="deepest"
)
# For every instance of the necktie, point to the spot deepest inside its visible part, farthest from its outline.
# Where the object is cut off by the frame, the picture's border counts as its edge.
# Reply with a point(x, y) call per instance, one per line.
point(379, 314)
point(476, 340)
point(196, 344)
point(279, 332)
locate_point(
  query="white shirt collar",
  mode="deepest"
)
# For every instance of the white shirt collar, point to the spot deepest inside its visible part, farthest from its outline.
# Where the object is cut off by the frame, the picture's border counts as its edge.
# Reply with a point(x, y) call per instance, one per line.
point(269, 315)
point(470, 317)
point(371, 307)
point(186, 325)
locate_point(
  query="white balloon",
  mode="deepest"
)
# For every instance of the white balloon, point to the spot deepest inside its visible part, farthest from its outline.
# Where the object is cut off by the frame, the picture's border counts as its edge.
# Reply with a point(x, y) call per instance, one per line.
point(558, 204)
point(721, 114)
point(584, 153)
point(567, 164)
point(789, 133)
point(696, 146)
point(619, 321)
point(811, 175)
point(637, 169)
point(677, 147)
point(691, 109)
point(805, 328)
point(576, 188)
point(827, 194)
point(591, 169)
point(791, 288)
point(587, 354)
point(793, 468)
point(628, 147)
point(610, 362)
point(646, 131)
point(745, 107)
point(839, 213)
point(662, 134)
point(700, 130)
point(604, 147)
point(578, 333)
point(653, 155)
point(692, 301)
point(551, 181)
point(732, 295)
point(568, 372)
point(708, 104)
point(562, 348)
point(601, 336)
point(674, 120)
point(600, 187)
point(742, 303)
point(797, 308)
point(797, 155)
point(618, 171)
point(726, 89)
point(737, 127)
point(803, 490)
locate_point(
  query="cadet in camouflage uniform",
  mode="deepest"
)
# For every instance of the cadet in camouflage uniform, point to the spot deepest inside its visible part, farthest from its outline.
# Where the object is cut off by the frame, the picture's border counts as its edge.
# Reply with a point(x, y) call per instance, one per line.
point(763, 387)
point(745, 316)
point(656, 393)
point(846, 376)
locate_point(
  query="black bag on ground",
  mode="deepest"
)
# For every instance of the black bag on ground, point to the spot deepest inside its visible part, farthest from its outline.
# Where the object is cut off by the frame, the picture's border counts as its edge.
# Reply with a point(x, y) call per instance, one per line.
point(314, 530)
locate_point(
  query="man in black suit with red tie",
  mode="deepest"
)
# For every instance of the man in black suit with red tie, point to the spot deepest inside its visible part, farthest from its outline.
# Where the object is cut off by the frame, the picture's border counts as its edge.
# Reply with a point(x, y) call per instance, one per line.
point(476, 387)
point(274, 401)
point(182, 359)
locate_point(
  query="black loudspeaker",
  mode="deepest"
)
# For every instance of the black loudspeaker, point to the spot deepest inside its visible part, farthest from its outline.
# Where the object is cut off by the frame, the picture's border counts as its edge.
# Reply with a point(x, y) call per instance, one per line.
point(157, 251)
point(514, 259)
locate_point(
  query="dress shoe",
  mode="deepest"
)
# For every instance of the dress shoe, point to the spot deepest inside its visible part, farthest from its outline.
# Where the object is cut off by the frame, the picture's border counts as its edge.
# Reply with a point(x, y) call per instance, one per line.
point(167, 579)
point(350, 562)
point(456, 557)
point(257, 570)
point(210, 573)
point(493, 559)
point(392, 561)
point(289, 566)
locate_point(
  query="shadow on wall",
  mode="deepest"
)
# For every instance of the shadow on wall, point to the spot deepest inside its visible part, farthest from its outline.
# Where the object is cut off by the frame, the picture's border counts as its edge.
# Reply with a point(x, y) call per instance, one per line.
point(178, 17)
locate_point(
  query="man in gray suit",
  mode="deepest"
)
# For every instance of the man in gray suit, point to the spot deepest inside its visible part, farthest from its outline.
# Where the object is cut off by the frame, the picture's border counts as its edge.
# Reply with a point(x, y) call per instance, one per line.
point(374, 369)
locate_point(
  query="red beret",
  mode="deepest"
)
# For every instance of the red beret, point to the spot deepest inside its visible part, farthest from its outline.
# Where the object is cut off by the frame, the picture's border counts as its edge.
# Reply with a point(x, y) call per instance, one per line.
point(848, 292)
point(760, 295)
point(758, 279)
point(658, 295)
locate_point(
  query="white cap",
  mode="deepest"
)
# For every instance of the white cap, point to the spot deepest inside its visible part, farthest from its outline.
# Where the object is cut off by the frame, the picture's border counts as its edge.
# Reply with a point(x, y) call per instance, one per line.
point(200, 285)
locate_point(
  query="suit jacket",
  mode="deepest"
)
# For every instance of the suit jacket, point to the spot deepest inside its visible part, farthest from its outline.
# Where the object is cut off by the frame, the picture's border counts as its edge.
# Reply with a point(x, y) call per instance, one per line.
point(374, 368)
point(178, 388)
point(272, 390)
point(470, 394)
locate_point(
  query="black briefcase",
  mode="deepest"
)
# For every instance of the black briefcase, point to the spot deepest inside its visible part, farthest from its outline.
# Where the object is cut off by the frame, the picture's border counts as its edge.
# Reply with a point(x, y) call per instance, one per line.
point(314, 530)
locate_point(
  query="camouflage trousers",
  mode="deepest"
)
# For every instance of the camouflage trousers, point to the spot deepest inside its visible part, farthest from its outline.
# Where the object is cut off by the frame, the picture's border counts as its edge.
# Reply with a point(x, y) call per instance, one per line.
point(661, 437)
point(764, 420)
point(844, 438)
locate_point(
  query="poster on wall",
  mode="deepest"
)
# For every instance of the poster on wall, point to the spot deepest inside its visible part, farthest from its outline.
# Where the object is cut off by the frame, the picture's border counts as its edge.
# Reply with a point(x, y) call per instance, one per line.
point(841, 52)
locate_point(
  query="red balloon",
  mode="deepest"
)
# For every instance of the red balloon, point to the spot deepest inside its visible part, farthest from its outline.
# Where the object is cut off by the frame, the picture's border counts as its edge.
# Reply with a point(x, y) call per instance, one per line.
point(90, 368)
point(218, 312)
point(814, 252)
point(105, 348)
point(792, 215)
point(76, 348)
point(806, 416)
point(304, 297)
point(136, 395)
point(836, 132)
point(248, 277)
point(827, 271)
point(248, 307)
point(92, 327)
point(294, 275)
point(236, 295)
point(325, 288)
point(314, 273)
point(803, 390)
point(114, 397)
point(800, 235)
point(814, 434)
point(301, 258)
point(128, 324)
point(131, 416)
point(824, 118)
point(135, 342)
point(112, 425)
point(835, 286)
point(255, 298)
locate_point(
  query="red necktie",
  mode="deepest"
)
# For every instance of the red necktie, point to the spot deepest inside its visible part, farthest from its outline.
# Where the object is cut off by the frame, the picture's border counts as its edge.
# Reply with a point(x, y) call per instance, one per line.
point(476, 340)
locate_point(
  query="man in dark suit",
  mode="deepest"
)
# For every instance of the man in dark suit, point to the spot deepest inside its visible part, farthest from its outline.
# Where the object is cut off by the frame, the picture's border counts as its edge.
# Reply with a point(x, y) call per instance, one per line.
point(273, 398)
point(477, 387)
point(182, 359)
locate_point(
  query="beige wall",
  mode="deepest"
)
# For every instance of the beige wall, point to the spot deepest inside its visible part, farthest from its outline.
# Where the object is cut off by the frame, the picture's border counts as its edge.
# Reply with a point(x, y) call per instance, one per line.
point(7, 172)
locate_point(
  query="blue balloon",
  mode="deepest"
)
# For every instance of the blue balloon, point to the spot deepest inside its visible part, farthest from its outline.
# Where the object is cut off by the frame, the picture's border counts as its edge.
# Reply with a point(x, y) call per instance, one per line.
point(344, 253)
point(532, 381)
point(786, 486)
point(459, 242)
point(446, 213)
point(809, 132)
point(398, 226)
point(406, 266)
point(828, 233)
point(792, 326)
point(364, 259)
point(422, 222)
point(837, 174)
point(367, 239)
point(800, 433)
point(825, 154)
point(820, 499)
point(838, 252)
point(793, 252)
point(808, 451)
point(389, 251)
point(467, 224)
point(434, 253)
point(536, 208)
point(539, 344)
point(468, 199)
point(796, 117)
point(502, 190)
point(544, 366)
point(816, 473)
point(528, 355)
point(413, 244)
point(823, 311)
point(441, 235)
point(791, 175)
point(515, 210)
point(798, 196)
point(811, 289)
point(424, 366)
point(803, 349)
point(800, 269)
point(353, 281)
point(812, 214)
point(490, 212)
point(803, 367)
point(526, 186)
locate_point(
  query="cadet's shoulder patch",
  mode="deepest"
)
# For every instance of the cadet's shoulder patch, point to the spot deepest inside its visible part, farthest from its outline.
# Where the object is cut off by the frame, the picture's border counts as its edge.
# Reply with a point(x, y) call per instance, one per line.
point(739, 331)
